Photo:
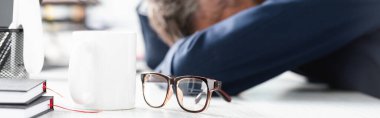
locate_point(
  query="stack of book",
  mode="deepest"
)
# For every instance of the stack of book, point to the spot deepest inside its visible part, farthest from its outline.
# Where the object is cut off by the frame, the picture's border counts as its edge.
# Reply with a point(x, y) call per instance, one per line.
point(23, 98)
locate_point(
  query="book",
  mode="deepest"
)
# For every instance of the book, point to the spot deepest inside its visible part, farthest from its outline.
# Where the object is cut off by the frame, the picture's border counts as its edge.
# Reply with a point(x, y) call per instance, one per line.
point(36, 108)
point(21, 91)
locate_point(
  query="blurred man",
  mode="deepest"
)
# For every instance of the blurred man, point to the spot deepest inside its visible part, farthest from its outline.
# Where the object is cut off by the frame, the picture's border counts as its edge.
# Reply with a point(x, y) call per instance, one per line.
point(246, 42)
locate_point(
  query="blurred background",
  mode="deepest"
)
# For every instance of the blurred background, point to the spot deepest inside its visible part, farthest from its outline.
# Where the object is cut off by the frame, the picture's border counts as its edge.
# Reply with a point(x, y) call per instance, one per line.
point(61, 17)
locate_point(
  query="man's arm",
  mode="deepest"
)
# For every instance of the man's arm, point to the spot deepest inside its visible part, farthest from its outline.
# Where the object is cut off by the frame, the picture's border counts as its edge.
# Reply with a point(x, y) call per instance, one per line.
point(155, 48)
point(260, 43)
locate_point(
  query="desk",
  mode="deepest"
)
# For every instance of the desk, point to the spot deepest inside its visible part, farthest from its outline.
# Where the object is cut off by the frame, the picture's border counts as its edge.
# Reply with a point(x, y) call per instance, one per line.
point(286, 96)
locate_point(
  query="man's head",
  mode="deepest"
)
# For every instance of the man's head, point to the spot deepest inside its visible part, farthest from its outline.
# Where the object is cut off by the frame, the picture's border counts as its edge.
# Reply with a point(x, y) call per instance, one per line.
point(174, 19)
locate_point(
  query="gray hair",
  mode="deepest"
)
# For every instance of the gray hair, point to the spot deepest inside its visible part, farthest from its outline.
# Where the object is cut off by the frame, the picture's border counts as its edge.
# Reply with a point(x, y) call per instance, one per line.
point(172, 17)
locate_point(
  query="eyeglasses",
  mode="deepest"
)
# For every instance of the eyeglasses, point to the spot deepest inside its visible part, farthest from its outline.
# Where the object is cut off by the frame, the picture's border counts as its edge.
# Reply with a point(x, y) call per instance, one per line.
point(193, 92)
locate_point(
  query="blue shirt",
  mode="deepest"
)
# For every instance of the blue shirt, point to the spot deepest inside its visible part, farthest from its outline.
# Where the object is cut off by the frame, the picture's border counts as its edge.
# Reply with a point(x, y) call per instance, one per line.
point(264, 41)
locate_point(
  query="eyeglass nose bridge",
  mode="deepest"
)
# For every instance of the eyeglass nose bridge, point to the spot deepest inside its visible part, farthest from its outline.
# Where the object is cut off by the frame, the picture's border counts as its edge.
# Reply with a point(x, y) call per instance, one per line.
point(177, 92)
point(171, 81)
point(171, 90)
point(169, 94)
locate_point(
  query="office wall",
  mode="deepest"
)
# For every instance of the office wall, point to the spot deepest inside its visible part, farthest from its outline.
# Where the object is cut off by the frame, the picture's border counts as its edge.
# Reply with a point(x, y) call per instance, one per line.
point(5, 12)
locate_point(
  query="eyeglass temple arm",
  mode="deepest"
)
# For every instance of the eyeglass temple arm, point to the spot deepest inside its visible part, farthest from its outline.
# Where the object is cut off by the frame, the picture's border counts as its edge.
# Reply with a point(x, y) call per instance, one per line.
point(224, 95)
point(220, 92)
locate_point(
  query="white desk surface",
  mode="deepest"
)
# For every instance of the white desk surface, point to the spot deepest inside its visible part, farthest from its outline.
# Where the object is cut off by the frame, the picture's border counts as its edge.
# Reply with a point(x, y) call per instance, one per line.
point(287, 96)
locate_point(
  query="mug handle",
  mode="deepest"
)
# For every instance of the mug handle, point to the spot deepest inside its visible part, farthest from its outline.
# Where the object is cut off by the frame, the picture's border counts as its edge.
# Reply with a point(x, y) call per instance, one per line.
point(81, 79)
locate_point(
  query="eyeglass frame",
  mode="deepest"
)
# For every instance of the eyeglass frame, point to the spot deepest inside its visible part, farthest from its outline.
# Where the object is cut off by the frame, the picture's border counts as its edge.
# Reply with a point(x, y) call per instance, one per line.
point(173, 85)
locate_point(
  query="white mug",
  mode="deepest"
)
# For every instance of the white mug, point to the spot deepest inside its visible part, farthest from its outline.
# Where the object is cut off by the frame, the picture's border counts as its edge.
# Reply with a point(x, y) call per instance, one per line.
point(102, 70)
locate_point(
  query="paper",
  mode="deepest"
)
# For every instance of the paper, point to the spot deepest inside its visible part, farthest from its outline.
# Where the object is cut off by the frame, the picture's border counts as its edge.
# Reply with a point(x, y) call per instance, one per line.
point(30, 19)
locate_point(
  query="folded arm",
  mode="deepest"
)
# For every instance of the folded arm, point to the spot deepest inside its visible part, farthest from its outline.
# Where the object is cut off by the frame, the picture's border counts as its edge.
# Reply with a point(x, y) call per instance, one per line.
point(260, 43)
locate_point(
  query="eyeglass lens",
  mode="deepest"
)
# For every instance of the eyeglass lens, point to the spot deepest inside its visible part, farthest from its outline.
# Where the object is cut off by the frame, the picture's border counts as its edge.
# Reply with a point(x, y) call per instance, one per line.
point(155, 89)
point(192, 93)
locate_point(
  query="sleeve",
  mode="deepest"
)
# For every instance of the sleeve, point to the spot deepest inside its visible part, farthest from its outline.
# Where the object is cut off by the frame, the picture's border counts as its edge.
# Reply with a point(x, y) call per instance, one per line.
point(155, 48)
